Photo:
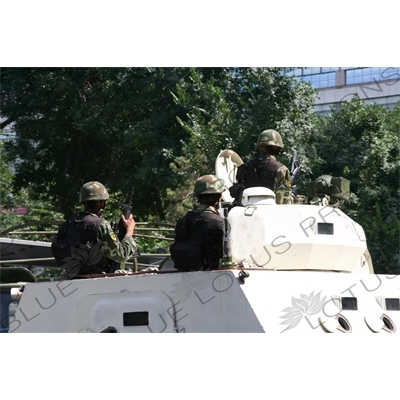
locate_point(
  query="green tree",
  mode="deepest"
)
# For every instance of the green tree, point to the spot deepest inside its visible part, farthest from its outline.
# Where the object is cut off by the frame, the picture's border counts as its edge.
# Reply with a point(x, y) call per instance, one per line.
point(159, 129)
point(6, 180)
point(72, 125)
point(125, 126)
point(37, 210)
point(361, 143)
point(151, 141)
point(229, 107)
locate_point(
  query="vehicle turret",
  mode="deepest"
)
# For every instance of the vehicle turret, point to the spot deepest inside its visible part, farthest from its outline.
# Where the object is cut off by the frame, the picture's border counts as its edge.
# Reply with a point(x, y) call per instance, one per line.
point(334, 189)
point(295, 236)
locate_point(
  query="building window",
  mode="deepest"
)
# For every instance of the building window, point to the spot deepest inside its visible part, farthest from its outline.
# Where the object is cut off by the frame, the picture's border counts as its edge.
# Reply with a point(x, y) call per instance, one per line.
point(324, 77)
point(329, 69)
point(320, 81)
point(364, 75)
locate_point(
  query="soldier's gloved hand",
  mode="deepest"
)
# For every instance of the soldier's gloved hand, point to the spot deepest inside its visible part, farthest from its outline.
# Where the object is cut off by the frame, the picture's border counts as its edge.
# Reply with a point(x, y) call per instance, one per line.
point(150, 269)
point(122, 272)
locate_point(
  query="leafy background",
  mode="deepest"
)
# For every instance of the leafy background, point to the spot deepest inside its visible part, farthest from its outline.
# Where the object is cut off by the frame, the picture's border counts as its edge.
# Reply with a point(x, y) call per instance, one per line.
point(158, 129)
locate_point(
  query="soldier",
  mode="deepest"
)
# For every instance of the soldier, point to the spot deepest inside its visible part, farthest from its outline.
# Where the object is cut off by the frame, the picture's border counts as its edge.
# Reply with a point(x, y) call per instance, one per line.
point(265, 170)
point(199, 234)
point(87, 244)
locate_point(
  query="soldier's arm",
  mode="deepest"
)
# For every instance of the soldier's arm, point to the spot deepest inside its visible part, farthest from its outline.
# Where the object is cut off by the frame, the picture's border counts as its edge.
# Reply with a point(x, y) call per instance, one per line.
point(114, 249)
point(282, 185)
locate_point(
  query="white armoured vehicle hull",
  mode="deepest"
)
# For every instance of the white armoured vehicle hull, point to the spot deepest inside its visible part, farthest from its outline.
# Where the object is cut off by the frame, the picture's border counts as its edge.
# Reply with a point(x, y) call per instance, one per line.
point(302, 269)
point(292, 268)
point(213, 301)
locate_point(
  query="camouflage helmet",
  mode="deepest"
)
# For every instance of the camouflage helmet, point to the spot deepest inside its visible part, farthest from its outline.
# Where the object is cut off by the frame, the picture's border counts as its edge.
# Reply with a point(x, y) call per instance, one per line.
point(270, 138)
point(208, 184)
point(93, 191)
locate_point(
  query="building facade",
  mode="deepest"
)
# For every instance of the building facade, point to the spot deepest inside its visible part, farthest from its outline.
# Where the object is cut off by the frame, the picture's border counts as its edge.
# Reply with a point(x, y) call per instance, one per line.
point(380, 85)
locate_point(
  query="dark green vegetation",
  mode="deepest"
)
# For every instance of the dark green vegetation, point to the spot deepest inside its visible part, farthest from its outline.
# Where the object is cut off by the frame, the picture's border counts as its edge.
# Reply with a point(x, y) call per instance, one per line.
point(158, 129)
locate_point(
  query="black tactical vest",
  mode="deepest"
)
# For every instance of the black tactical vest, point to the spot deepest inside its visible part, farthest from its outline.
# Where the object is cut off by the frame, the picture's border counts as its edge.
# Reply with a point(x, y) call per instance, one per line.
point(198, 241)
point(258, 172)
point(76, 240)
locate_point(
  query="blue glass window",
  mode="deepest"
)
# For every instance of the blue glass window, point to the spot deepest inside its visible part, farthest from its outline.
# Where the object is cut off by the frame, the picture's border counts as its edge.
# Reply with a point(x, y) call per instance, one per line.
point(364, 75)
point(329, 69)
point(324, 77)
point(298, 71)
point(390, 73)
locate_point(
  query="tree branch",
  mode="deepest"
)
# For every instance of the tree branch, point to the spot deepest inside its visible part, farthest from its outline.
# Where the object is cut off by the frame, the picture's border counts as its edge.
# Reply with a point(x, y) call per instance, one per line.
point(8, 121)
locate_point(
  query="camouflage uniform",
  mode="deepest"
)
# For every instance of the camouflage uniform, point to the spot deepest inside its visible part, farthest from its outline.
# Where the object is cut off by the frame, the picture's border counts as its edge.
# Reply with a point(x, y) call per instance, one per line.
point(111, 247)
point(89, 243)
point(265, 170)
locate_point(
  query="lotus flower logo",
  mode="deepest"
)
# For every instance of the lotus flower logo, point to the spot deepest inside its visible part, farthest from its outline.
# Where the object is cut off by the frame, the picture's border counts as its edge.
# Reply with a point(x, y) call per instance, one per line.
point(306, 305)
point(190, 284)
point(83, 255)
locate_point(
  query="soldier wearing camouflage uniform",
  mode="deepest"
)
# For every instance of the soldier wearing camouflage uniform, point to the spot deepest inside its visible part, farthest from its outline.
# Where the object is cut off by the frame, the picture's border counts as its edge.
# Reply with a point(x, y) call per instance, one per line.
point(199, 234)
point(265, 170)
point(95, 244)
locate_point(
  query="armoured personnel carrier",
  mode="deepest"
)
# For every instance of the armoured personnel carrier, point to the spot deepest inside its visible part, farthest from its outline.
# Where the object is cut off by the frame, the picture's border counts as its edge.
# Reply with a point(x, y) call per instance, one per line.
point(287, 268)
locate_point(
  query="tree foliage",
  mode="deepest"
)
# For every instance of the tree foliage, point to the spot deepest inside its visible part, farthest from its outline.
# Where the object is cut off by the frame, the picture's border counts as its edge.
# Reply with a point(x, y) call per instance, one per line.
point(126, 126)
point(159, 129)
point(6, 180)
point(229, 107)
point(361, 143)
point(114, 125)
